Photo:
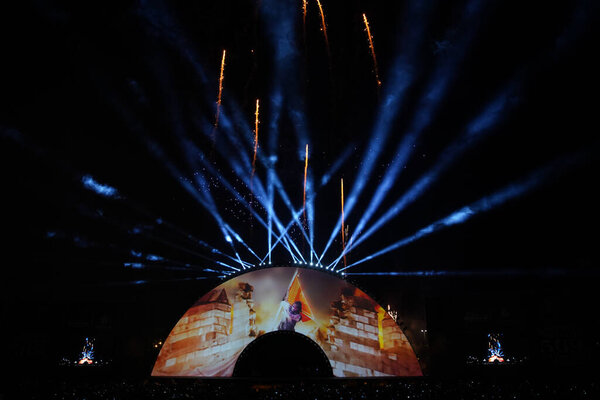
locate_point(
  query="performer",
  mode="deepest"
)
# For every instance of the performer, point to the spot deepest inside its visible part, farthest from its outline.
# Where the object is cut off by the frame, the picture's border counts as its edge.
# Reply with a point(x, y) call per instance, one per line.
point(291, 316)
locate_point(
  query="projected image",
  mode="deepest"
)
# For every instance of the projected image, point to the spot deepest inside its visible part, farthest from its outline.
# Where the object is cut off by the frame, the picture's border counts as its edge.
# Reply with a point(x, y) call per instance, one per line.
point(357, 335)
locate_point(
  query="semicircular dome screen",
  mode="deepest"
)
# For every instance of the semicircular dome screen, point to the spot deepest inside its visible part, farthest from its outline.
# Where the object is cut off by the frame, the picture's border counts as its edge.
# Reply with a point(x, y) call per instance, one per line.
point(357, 335)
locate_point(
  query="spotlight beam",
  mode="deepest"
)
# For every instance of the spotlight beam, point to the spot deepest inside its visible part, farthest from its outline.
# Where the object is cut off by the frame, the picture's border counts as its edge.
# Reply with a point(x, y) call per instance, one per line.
point(161, 20)
point(258, 188)
point(296, 215)
point(268, 163)
point(230, 188)
point(204, 197)
point(240, 240)
point(401, 78)
point(188, 236)
point(479, 127)
point(429, 103)
point(154, 149)
point(276, 184)
point(280, 30)
point(272, 178)
point(339, 162)
point(283, 234)
point(510, 192)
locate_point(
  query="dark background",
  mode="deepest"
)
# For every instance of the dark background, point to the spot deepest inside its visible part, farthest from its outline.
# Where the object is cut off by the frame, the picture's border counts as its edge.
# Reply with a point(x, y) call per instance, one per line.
point(85, 86)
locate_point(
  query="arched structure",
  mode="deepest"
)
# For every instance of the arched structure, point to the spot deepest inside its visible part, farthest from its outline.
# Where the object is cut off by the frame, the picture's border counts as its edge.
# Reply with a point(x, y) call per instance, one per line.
point(283, 354)
point(357, 335)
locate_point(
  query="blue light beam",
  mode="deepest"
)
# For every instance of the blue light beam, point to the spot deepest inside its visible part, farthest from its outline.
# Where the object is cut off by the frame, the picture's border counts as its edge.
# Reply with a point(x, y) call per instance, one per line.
point(436, 90)
point(487, 203)
point(103, 190)
point(477, 129)
point(402, 76)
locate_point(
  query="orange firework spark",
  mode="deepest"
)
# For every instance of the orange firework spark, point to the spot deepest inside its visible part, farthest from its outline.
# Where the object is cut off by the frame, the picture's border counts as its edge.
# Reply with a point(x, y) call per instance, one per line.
point(220, 89)
point(304, 9)
point(305, 172)
point(256, 122)
point(372, 49)
point(323, 25)
point(343, 228)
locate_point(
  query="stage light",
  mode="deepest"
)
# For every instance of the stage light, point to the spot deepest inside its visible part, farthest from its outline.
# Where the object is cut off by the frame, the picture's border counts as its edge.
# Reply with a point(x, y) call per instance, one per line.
point(104, 190)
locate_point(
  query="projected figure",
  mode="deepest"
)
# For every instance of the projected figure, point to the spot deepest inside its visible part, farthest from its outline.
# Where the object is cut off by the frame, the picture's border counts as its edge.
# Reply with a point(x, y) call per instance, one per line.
point(291, 316)
point(294, 306)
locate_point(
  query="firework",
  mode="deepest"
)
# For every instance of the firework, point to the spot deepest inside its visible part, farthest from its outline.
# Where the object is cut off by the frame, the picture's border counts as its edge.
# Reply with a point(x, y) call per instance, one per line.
point(370, 37)
point(304, 9)
point(323, 25)
point(87, 355)
point(343, 229)
point(256, 122)
point(495, 353)
point(221, 76)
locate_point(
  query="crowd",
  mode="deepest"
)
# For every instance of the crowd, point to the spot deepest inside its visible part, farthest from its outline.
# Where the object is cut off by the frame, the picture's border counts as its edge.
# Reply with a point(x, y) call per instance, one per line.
point(159, 389)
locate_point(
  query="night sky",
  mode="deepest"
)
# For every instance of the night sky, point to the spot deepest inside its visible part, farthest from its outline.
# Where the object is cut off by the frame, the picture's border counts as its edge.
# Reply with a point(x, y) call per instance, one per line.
point(106, 127)
point(90, 90)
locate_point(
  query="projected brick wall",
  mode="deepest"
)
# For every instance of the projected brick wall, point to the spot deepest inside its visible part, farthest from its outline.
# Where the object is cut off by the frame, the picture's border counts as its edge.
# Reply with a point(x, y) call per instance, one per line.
point(354, 345)
point(205, 339)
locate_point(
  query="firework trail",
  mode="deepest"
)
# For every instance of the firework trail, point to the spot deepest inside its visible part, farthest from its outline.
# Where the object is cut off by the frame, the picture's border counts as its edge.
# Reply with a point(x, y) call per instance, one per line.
point(304, 10)
point(375, 68)
point(304, 194)
point(343, 228)
point(256, 122)
point(323, 25)
point(221, 76)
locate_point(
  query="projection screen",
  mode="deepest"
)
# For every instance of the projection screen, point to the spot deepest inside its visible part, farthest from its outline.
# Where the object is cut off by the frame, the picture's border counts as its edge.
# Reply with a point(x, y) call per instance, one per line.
point(357, 334)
